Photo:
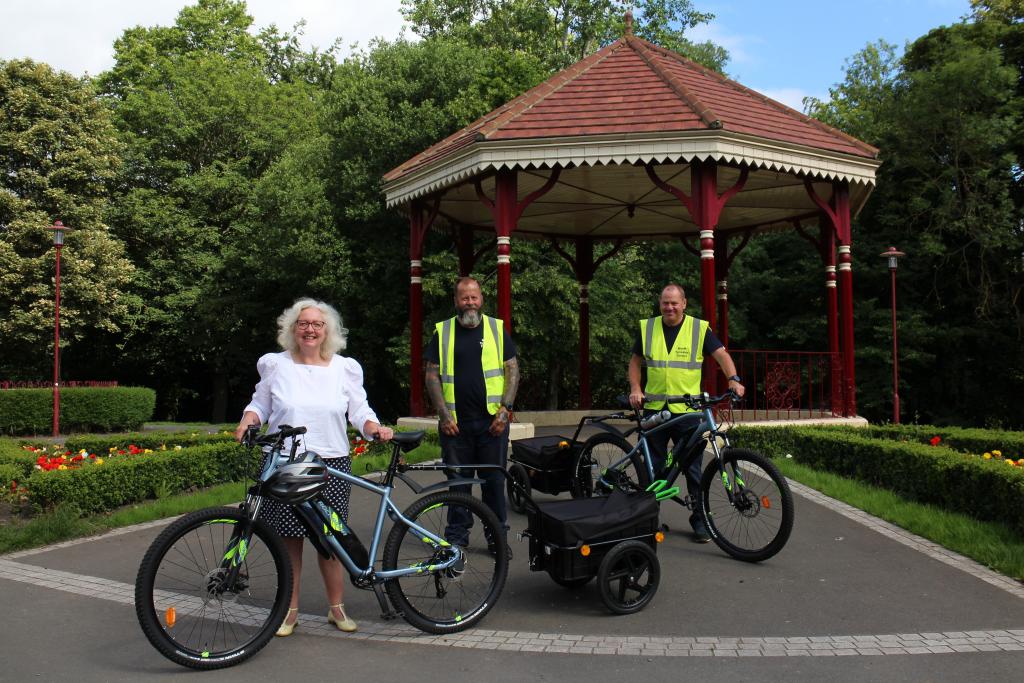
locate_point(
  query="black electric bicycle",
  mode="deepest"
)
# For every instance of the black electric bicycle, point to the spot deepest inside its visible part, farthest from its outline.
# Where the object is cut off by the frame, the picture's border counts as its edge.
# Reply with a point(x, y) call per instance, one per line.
point(215, 585)
point(745, 501)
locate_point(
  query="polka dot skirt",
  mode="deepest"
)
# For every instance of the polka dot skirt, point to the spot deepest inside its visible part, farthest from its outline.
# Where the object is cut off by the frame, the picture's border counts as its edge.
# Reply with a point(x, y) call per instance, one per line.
point(281, 517)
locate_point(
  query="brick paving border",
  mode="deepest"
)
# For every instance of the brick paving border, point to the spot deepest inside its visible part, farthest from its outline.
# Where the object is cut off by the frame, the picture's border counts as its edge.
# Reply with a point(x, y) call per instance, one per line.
point(949, 642)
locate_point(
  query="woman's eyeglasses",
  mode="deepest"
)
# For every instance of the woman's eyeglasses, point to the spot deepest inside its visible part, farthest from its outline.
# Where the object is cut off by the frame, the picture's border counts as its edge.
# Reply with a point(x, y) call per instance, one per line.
point(306, 324)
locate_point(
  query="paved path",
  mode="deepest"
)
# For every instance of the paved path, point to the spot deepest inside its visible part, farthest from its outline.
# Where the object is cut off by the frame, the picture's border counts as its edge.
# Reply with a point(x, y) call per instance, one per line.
point(849, 598)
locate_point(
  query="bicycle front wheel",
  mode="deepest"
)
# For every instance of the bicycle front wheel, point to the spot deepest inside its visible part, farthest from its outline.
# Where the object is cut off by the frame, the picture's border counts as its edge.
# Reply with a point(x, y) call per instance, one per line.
point(453, 599)
point(206, 601)
point(756, 523)
point(603, 466)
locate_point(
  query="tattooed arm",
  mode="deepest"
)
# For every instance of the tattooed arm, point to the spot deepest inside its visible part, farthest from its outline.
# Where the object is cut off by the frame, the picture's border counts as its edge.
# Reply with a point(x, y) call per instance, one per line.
point(432, 381)
point(508, 397)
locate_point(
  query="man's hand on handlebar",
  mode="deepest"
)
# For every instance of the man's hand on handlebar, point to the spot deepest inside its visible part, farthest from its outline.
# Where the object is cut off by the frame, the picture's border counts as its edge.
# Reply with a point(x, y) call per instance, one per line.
point(636, 399)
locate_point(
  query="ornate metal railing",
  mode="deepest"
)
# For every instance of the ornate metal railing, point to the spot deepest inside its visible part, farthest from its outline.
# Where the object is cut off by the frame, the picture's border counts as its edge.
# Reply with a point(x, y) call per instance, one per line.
point(789, 385)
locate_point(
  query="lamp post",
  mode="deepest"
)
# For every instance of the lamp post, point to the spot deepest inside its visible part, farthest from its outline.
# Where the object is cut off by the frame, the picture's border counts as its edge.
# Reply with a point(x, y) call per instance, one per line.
point(58, 242)
point(893, 255)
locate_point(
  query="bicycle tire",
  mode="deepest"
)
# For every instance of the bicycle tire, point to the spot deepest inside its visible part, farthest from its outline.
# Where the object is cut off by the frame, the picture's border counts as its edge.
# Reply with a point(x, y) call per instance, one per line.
point(598, 453)
point(185, 617)
point(628, 577)
point(446, 601)
point(517, 496)
point(760, 524)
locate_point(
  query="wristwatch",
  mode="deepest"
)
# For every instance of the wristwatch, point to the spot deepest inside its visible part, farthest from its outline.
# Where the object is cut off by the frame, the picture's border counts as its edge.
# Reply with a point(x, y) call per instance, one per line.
point(736, 378)
point(507, 406)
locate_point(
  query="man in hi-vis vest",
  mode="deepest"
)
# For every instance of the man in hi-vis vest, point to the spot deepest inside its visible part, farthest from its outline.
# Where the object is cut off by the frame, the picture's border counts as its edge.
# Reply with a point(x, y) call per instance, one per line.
point(471, 376)
point(672, 346)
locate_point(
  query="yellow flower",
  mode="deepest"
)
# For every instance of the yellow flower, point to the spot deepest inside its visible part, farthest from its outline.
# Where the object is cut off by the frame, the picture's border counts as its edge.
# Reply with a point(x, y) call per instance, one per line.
point(998, 454)
point(99, 461)
point(987, 456)
point(177, 448)
point(62, 467)
point(111, 449)
point(147, 450)
point(163, 447)
point(1009, 462)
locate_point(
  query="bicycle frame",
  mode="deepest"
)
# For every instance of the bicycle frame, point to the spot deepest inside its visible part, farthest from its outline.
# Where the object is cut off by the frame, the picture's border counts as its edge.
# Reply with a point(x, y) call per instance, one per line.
point(322, 521)
point(706, 430)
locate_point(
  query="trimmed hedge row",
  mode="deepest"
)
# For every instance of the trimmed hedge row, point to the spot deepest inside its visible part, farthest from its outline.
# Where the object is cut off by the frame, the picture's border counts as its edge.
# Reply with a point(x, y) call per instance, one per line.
point(984, 489)
point(204, 460)
point(966, 440)
point(130, 479)
point(82, 409)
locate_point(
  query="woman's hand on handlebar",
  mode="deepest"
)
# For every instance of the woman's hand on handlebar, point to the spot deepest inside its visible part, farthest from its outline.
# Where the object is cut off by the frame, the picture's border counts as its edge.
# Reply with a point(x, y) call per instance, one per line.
point(250, 419)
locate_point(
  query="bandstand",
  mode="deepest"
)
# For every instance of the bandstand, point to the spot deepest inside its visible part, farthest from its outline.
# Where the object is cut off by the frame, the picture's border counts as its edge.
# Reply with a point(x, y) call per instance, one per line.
point(637, 143)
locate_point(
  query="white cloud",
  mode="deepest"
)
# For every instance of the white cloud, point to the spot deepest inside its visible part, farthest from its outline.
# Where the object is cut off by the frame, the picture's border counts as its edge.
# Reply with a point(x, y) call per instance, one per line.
point(79, 36)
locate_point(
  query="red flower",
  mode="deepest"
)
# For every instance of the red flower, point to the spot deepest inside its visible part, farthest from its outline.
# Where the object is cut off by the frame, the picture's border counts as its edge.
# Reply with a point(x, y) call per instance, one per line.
point(935, 440)
point(14, 486)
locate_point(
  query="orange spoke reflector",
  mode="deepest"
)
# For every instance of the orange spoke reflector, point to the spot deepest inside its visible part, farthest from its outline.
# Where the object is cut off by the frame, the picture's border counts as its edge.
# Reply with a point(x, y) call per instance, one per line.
point(765, 502)
point(585, 550)
point(659, 536)
point(170, 616)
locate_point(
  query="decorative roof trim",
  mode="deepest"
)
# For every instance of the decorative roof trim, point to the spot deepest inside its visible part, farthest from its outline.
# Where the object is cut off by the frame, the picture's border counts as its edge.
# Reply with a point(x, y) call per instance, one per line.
point(719, 145)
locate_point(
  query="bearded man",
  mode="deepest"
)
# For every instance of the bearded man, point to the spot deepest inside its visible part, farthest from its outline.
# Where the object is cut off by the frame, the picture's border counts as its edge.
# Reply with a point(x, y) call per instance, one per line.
point(471, 377)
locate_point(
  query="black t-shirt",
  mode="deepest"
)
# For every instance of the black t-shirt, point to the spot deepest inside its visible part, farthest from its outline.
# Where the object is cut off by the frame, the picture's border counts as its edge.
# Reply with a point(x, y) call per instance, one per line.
point(711, 341)
point(470, 391)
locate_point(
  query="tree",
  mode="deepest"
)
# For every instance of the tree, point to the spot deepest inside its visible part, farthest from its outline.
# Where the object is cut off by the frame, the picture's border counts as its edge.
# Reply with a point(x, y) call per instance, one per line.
point(60, 154)
point(948, 122)
point(213, 120)
point(562, 32)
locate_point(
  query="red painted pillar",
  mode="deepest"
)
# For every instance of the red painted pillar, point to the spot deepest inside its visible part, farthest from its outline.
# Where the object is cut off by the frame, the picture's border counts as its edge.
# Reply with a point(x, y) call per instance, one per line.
point(506, 204)
point(722, 287)
point(845, 267)
point(827, 245)
point(704, 194)
point(704, 184)
point(416, 231)
point(584, 274)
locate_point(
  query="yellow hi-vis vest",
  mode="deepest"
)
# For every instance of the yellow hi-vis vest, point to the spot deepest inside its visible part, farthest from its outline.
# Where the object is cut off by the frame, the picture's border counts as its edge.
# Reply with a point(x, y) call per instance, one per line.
point(491, 358)
point(675, 371)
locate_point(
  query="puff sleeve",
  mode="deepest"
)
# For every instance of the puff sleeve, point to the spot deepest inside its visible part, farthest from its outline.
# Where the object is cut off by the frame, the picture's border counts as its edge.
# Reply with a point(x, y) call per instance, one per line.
point(359, 410)
point(261, 402)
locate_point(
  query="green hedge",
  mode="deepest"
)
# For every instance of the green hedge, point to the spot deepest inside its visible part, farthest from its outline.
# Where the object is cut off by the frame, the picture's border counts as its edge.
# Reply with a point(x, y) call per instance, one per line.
point(130, 479)
point(82, 409)
point(965, 440)
point(988, 490)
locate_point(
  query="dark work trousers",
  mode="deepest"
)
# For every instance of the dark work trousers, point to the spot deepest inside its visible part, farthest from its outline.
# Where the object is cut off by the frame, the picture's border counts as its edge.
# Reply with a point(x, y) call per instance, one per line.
point(678, 433)
point(474, 445)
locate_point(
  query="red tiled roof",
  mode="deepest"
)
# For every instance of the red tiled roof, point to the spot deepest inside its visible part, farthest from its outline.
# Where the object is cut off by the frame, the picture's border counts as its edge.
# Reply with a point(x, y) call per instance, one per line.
point(634, 86)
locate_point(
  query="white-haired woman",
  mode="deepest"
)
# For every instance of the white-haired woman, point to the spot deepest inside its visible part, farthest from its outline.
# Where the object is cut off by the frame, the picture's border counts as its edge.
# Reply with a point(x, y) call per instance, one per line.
point(309, 384)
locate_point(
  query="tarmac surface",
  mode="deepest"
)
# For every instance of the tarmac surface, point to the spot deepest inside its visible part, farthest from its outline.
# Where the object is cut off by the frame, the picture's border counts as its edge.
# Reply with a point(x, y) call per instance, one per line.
point(850, 598)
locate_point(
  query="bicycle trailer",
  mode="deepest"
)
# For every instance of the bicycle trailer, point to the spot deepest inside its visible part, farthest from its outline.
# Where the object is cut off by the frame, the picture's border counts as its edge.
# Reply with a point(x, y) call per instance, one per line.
point(613, 537)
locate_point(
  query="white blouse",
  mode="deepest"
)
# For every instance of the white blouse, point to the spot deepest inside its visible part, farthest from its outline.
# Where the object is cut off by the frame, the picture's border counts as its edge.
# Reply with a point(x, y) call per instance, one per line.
point(312, 396)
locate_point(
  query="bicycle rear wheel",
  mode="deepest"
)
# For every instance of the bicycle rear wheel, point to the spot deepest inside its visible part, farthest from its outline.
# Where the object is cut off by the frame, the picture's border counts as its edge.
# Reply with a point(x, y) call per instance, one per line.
point(592, 474)
point(756, 524)
point(453, 599)
point(187, 604)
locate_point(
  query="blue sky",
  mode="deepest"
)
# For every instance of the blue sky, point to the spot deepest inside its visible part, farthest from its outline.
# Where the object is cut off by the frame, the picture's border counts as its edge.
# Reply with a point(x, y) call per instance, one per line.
point(788, 49)
point(785, 49)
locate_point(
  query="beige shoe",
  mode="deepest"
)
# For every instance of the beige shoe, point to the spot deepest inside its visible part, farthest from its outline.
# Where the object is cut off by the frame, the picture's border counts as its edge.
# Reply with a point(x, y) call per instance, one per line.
point(285, 629)
point(344, 624)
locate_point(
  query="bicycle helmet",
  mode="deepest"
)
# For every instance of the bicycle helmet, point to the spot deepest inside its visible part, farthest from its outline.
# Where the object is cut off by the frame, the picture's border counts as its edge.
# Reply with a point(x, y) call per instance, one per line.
point(299, 480)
